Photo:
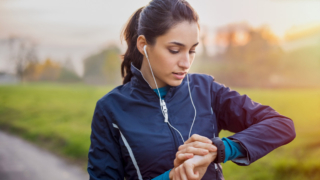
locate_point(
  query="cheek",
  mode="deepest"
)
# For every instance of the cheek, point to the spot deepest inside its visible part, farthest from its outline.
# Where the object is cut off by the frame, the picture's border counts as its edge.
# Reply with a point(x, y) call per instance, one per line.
point(166, 62)
point(169, 64)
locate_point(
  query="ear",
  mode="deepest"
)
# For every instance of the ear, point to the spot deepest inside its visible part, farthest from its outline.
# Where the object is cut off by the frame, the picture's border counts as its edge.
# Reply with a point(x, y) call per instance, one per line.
point(141, 41)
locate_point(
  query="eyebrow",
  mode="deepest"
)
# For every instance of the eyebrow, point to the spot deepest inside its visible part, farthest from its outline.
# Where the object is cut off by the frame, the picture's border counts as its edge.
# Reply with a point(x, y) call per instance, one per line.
point(180, 44)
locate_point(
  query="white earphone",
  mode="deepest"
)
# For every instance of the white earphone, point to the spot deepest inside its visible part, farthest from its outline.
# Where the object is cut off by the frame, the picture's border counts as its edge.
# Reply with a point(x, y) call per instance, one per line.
point(162, 102)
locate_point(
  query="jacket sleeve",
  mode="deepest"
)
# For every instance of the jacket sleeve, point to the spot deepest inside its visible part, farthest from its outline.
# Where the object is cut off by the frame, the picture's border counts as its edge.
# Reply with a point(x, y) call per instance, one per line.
point(233, 150)
point(164, 176)
point(258, 128)
point(104, 157)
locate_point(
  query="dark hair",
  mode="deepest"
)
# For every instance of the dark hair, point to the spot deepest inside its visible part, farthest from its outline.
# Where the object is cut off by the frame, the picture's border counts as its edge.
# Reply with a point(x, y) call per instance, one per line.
point(152, 21)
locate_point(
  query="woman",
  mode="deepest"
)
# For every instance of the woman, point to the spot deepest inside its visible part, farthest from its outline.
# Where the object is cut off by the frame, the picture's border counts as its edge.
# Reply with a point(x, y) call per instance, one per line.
point(163, 123)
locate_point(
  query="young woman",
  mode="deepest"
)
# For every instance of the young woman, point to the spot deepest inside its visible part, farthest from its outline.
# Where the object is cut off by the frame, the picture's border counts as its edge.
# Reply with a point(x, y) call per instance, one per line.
point(163, 122)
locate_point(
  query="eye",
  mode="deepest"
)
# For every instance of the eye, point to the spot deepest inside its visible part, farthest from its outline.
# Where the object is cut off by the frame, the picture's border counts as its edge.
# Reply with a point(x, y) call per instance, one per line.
point(192, 52)
point(173, 52)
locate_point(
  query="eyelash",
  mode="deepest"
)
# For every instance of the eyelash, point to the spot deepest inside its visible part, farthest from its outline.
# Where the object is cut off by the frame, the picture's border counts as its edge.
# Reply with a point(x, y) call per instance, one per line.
point(175, 52)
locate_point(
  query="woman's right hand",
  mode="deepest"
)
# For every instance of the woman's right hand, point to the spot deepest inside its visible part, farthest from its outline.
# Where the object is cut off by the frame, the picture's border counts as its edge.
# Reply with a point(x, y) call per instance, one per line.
point(194, 168)
point(195, 145)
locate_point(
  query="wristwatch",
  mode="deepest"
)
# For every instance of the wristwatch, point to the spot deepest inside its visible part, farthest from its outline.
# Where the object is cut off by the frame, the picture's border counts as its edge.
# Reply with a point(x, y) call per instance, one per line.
point(220, 150)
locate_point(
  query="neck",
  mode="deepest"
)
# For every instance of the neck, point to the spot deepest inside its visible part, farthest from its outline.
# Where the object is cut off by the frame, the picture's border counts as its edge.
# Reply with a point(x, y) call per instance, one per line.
point(146, 72)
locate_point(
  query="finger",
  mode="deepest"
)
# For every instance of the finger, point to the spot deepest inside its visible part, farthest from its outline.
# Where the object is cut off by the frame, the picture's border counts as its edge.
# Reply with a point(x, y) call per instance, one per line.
point(177, 173)
point(181, 157)
point(182, 172)
point(197, 174)
point(195, 151)
point(196, 137)
point(174, 174)
point(184, 156)
point(189, 170)
point(198, 144)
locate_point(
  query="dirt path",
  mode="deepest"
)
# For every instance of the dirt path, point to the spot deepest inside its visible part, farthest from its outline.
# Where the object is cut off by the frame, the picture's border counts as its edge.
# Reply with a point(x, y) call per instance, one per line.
point(20, 160)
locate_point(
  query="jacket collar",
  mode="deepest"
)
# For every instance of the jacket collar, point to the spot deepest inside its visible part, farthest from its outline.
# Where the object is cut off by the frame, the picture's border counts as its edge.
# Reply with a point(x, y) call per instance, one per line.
point(140, 82)
point(138, 79)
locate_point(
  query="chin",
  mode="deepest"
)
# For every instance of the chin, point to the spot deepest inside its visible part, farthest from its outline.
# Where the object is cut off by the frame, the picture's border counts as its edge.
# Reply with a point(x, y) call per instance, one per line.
point(175, 83)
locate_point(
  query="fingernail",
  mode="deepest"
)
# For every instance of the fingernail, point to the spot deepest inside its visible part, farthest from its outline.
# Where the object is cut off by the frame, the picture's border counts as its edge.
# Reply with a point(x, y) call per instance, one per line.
point(209, 141)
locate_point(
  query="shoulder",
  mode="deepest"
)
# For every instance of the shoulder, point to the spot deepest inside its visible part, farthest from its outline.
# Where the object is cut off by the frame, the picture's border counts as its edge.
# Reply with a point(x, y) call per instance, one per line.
point(203, 79)
point(197, 78)
point(114, 95)
point(207, 80)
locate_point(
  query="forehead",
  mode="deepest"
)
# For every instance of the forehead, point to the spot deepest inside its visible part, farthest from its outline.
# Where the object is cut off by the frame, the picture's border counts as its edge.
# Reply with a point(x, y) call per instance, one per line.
point(184, 32)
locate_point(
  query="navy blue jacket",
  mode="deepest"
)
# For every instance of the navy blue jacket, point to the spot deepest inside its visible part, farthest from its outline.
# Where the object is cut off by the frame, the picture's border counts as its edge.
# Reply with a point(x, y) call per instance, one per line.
point(129, 138)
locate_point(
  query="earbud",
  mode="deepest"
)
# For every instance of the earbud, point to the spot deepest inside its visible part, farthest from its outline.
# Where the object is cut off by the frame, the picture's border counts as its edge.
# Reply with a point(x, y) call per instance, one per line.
point(145, 51)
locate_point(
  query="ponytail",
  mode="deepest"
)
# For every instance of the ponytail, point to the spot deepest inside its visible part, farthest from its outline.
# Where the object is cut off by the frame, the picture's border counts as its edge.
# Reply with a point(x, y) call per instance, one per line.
point(132, 54)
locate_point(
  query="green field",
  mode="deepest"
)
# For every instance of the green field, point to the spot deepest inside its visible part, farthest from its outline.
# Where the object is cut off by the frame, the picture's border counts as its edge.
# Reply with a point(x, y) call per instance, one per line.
point(58, 117)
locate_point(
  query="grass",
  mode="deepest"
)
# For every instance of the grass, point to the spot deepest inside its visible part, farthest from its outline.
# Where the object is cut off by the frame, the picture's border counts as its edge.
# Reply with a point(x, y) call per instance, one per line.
point(297, 160)
point(58, 117)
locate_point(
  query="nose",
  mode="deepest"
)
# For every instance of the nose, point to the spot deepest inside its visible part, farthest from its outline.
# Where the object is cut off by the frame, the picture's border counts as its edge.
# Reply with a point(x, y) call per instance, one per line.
point(184, 62)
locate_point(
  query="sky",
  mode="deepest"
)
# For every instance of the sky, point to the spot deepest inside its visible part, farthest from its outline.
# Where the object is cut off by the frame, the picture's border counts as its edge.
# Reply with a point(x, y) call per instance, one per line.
point(75, 29)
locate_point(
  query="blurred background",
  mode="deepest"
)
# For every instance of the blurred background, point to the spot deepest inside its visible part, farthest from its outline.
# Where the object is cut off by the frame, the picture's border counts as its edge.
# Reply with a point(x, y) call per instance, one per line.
point(57, 58)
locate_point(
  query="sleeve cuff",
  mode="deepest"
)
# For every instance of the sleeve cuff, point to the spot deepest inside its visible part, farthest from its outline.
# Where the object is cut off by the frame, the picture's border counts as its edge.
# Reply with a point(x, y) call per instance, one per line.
point(164, 176)
point(227, 149)
point(242, 160)
point(234, 151)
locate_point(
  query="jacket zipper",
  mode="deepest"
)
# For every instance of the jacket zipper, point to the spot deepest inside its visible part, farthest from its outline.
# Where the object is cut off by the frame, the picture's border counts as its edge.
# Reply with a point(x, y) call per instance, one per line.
point(216, 168)
point(172, 132)
point(174, 137)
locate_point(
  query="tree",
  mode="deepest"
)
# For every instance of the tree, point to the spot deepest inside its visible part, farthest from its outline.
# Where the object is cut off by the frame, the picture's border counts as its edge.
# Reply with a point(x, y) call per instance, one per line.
point(103, 67)
point(67, 72)
point(22, 53)
point(251, 56)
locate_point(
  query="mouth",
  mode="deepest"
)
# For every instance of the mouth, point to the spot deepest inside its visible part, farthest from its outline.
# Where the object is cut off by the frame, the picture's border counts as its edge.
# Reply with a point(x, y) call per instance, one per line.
point(179, 75)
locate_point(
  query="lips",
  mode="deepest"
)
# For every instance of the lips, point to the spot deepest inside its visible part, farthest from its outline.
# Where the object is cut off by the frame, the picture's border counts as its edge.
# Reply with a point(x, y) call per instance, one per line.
point(179, 75)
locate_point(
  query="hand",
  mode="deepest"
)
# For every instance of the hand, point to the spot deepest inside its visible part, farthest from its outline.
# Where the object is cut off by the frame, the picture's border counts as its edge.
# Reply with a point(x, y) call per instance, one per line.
point(192, 169)
point(179, 173)
point(199, 164)
point(195, 145)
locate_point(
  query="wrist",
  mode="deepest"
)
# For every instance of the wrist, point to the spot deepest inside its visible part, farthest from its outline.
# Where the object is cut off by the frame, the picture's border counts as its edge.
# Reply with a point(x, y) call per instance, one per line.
point(220, 150)
point(212, 156)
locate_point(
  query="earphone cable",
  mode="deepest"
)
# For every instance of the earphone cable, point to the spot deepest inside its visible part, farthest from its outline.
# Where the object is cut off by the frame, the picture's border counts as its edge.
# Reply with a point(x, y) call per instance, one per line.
point(161, 103)
point(195, 111)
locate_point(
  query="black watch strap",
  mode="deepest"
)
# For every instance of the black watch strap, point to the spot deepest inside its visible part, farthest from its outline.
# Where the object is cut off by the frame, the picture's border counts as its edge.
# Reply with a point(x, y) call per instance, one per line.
point(220, 149)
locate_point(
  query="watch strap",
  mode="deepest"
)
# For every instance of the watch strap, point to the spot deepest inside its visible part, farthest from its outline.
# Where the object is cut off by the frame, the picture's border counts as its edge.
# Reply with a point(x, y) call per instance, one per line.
point(220, 149)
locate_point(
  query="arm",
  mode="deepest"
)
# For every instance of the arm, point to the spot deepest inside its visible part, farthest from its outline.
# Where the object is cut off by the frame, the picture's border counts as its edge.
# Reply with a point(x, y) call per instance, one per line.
point(232, 150)
point(259, 129)
point(104, 159)
point(164, 176)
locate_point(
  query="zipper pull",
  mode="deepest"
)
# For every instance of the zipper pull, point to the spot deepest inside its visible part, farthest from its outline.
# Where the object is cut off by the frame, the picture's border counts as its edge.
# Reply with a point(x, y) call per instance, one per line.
point(166, 117)
point(164, 110)
point(216, 167)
